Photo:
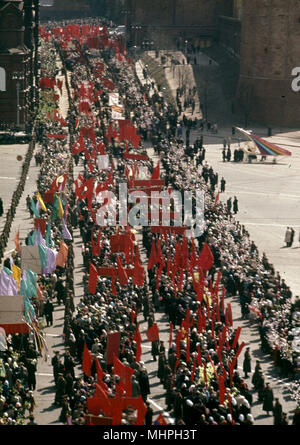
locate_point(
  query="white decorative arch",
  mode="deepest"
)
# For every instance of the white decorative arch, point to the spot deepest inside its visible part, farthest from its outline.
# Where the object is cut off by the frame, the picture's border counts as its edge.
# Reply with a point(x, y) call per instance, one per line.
point(2, 79)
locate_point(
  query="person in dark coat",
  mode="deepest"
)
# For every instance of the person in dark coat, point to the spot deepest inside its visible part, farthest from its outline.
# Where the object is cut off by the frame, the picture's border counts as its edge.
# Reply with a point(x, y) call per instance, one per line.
point(69, 364)
point(178, 404)
point(247, 363)
point(224, 154)
point(235, 205)
point(135, 387)
point(228, 155)
point(277, 412)
point(48, 311)
point(268, 399)
point(144, 384)
point(229, 205)
point(60, 390)
point(146, 308)
point(260, 386)
point(61, 291)
point(223, 183)
point(54, 362)
point(31, 368)
point(65, 409)
point(161, 366)
point(69, 385)
point(149, 414)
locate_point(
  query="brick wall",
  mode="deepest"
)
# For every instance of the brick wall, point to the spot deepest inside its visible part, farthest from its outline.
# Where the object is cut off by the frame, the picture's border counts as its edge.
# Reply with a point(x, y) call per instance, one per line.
point(269, 51)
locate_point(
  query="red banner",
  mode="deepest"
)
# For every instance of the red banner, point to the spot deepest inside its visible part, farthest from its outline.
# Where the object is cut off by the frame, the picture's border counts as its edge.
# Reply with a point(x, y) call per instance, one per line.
point(113, 345)
point(152, 333)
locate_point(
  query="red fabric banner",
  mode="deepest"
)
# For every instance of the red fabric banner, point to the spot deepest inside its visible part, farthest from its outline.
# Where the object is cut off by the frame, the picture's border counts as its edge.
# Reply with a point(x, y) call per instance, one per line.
point(16, 328)
point(156, 172)
point(168, 229)
point(87, 361)
point(135, 157)
point(206, 258)
point(113, 345)
point(40, 223)
point(153, 333)
point(236, 339)
point(93, 279)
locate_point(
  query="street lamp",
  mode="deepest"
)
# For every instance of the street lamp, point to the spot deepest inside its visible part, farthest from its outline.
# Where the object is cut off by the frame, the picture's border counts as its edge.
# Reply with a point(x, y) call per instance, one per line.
point(18, 76)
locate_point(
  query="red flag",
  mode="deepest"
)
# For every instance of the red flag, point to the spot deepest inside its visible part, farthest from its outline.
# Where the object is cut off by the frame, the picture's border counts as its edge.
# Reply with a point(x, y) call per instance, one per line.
point(40, 224)
point(119, 367)
point(93, 279)
point(153, 333)
point(216, 200)
point(100, 373)
point(233, 363)
point(212, 364)
point(223, 298)
point(96, 404)
point(128, 374)
point(221, 390)
point(236, 339)
point(100, 392)
point(161, 420)
point(122, 275)
point(87, 361)
point(188, 354)
point(153, 258)
point(156, 171)
point(113, 345)
point(206, 258)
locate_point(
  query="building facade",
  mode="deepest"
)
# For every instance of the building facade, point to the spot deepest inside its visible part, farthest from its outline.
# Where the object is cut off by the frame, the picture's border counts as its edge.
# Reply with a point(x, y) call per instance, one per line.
point(170, 19)
point(63, 9)
point(18, 61)
point(270, 49)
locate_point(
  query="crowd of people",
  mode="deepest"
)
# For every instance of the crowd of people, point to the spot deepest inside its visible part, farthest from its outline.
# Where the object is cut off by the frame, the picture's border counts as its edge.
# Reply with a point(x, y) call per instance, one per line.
point(198, 369)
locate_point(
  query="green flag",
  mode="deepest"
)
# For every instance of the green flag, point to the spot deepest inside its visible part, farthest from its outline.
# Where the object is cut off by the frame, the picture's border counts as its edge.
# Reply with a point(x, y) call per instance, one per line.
point(55, 209)
point(33, 208)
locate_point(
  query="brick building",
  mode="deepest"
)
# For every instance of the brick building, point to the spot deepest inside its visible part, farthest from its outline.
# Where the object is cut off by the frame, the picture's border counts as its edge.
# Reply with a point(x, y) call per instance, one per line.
point(18, 60)
point(270, 50)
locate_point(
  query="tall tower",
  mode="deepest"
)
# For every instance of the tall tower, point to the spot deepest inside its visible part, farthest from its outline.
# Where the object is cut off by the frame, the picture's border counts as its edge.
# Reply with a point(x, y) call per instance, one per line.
point(15, 67)
point(270, 50)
